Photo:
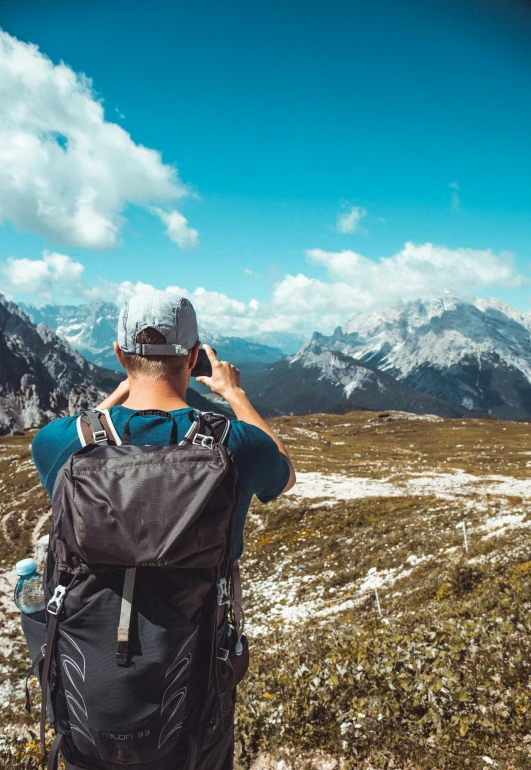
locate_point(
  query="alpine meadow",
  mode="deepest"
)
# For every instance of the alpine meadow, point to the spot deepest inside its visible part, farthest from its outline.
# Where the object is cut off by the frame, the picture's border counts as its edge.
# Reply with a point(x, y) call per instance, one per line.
point(265, 385)
point(365, 611)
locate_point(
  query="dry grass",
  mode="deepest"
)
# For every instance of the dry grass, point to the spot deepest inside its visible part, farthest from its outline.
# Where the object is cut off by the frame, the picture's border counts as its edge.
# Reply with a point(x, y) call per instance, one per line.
point(441, 681)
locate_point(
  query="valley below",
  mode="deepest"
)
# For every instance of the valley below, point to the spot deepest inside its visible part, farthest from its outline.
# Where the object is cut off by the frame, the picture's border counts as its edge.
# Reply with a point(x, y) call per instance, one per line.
point(387, 598)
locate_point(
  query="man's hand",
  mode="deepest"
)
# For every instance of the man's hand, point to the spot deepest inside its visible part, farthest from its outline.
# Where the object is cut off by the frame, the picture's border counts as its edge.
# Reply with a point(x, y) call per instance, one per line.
point(226, 378)
point(118, 396)
point(226, 382)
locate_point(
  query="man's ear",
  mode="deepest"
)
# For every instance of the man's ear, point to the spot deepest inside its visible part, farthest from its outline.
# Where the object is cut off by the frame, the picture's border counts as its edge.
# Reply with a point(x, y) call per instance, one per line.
point(193, 355)
point(119, 354)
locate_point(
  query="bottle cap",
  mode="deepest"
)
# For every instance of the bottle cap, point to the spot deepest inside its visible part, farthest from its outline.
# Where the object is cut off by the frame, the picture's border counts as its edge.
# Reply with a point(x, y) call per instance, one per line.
point(25, 567)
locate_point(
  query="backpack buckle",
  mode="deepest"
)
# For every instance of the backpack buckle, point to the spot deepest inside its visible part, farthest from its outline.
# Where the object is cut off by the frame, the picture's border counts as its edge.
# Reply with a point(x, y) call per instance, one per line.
point(206, 441)
point(223, 654)
point(57, 600)
point(100, 437)
point(223, 595)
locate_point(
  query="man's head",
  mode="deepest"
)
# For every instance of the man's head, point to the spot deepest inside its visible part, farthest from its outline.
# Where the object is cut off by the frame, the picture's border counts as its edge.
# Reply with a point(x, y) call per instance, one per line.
point(157, 336)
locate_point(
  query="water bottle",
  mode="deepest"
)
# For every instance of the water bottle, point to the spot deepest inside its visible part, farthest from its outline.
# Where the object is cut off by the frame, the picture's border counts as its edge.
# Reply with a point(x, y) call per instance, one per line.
point(29, 591)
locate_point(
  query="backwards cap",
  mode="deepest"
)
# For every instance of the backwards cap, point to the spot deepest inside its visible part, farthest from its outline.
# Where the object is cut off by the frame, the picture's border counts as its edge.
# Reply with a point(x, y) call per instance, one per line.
point(167, 312)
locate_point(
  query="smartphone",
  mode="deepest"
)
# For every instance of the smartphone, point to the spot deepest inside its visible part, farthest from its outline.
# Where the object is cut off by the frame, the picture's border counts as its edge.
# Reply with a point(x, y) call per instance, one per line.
point(203, 367)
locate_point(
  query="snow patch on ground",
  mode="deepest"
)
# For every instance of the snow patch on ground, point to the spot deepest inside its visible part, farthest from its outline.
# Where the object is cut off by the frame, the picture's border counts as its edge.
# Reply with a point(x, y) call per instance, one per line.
point(498, 525)
point(315, 484)
point(284, 598)
point(443, 485)
point(277, 600)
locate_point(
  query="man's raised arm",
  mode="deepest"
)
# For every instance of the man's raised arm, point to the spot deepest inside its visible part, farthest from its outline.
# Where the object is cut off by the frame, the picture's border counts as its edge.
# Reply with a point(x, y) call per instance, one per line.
point(226, 382)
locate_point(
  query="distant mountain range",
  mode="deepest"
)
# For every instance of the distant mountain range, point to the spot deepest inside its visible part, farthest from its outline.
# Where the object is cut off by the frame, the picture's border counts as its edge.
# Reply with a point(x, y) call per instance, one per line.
point(320, 379)
point(445, 356)
point(91, 330)
point(42, 377)
point(469, 357)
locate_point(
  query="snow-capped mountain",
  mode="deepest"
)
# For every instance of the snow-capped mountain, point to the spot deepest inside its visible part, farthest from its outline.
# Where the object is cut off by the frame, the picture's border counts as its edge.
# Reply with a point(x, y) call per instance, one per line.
point(466, 356)
point(41, 377)
point(320, 379)
point(474, 354)
point(91, 330)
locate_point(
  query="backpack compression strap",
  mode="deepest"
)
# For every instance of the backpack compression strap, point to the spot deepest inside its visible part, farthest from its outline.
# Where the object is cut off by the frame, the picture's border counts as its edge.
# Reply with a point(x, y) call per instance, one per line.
point(96, 427)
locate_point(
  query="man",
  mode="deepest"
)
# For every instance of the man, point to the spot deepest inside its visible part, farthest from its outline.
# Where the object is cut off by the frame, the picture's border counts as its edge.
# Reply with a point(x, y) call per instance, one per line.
point(158, 347)
point(166, 323)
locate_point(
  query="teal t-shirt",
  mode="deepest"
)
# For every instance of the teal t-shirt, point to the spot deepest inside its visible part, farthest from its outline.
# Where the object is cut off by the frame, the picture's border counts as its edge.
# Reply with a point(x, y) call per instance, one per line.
point(262, 470)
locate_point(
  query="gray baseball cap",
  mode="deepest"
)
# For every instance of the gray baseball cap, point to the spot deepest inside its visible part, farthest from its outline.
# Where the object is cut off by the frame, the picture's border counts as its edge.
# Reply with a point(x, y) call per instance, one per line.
point(172, 315)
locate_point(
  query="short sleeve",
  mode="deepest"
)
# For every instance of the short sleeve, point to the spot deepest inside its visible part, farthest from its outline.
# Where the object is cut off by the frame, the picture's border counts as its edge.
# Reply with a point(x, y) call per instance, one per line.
point(258, 457)
point(51, 448)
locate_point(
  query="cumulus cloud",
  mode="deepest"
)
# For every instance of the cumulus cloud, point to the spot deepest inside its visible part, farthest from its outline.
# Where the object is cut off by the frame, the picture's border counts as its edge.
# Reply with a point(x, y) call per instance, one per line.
point(217, 312)
point(40, 277)
point(177, 228)
point(57, 277)
point(66, 172)
point(349, 221)
point(299, 303)
point(359, 283)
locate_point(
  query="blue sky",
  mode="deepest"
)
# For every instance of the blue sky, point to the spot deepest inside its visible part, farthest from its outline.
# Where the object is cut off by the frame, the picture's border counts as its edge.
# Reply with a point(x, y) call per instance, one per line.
point(281, 118)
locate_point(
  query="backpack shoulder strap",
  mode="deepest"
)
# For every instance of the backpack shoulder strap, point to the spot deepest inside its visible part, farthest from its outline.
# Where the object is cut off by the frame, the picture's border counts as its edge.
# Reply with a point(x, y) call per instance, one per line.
point(207, 428)
point(218, 425)
point(96, 427)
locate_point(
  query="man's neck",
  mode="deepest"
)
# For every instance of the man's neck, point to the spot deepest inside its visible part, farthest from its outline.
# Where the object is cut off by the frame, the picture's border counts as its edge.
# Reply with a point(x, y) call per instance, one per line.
point(165, 395)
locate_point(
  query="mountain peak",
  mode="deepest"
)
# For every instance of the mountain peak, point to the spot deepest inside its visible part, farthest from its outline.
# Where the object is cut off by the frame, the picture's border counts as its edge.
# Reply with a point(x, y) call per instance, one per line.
point(41, 377)
point(476, 354)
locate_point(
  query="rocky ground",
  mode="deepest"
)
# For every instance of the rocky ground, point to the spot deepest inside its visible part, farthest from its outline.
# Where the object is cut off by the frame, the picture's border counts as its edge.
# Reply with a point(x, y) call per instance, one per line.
point(380, 637)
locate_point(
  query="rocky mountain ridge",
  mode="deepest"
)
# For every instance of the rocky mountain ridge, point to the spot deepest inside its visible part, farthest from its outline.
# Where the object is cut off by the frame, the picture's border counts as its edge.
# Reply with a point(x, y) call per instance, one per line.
point(89, 329)
point(475, 355)
point(321, 379)
point(41, 377)
point(444, 355)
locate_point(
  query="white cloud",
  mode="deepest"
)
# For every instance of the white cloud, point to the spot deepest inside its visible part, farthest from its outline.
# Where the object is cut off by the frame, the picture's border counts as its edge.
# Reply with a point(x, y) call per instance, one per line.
point(299, 302)
point(359, 283)
point(421, 268)
point(66, 172)
point(349, 221)
point(177, 228)
point(216, 311)
point(39, 277)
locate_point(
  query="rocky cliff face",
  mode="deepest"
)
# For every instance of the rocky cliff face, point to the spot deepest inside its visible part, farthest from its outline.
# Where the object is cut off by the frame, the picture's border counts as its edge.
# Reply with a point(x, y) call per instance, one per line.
point(41, 377)
point(321, 379)
point(475, 355)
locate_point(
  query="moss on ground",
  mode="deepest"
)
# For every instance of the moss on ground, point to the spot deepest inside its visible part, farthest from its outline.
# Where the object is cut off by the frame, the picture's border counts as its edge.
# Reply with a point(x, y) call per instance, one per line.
point(441, 681)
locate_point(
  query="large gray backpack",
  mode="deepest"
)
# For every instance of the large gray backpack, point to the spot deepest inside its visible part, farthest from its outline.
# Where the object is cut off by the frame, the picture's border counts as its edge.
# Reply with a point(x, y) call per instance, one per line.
point(143, 639)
